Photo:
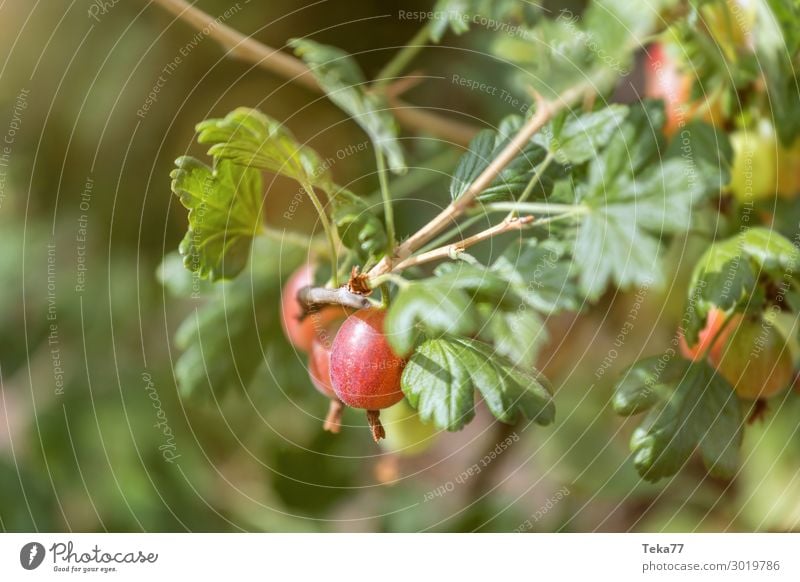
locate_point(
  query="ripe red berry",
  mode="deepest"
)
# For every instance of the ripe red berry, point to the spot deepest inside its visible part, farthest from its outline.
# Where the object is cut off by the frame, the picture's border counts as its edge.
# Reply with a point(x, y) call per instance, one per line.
point(365, 372)
point(319, 367)
point(319, 370)
point(301, 333)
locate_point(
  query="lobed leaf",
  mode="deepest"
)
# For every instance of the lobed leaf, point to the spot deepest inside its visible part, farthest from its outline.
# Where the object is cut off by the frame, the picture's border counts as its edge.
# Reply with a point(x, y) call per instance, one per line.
point(634, 196)
point(541, 273)
point(445, 305)
point(581, 137)
point(441, 377)
point(513, 179)
point(701, 412)
point(518, 335)
point(224, 215)
point(249, 138)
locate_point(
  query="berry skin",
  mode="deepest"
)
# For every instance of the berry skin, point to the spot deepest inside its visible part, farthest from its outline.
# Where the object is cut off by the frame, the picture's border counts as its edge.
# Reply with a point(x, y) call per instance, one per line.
point(754, 173)
point(789, 170)
point(319, 367)
point(365, 372)
point(755, 361)
point(301, 333)
point(319, 370)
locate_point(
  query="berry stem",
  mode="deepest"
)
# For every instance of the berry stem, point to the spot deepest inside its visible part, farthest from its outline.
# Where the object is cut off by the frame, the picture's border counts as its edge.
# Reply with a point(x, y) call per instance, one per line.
point(333, 421)
point(374, 419)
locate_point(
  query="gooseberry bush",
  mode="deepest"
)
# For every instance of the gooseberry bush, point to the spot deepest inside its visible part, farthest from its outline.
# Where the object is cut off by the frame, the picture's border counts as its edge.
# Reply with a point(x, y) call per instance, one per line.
point(584, 192)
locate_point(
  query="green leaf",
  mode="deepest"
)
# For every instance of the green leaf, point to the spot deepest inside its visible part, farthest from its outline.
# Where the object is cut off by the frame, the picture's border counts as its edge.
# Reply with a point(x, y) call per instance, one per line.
point(224, 341)
point(484, 148)
point(777, 43)
point(645, 383)
point(438, 309)
point(359, 229)
point(581, 137)
point(614, 29)
point(224, 215)
point(552, 57)
point(709, 149)
point(172, 274)
point(341, 78)
point(453, 15)
point(445, 305)
point(541, 273)
point(457, 15)
point(442, 375)
point(517, 335)
point(701, 412)
point(634, 197)
point(594, 48)
point(250, 138)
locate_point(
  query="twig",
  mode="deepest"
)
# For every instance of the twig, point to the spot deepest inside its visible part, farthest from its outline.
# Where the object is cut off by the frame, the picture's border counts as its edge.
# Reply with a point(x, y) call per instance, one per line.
point(537, 207)
point(545, 110)
point(314, 298)
point(452, 250)
point(249, 50)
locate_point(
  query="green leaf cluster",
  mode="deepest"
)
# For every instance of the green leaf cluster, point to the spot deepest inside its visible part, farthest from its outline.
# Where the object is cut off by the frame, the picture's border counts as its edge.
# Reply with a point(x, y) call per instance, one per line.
point(569, 50)
point(636, 191)
point(688, 407)
point(442, 376)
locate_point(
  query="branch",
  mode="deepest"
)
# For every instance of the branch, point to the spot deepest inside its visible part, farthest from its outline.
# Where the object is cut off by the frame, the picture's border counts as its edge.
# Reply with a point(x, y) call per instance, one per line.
point(452, 250)
point(252, 51)
point(314, 298)
point(545, 111)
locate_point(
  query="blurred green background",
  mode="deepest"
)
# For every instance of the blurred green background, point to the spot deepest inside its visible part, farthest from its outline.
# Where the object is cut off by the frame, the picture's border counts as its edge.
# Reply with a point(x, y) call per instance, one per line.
point(93, 433)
